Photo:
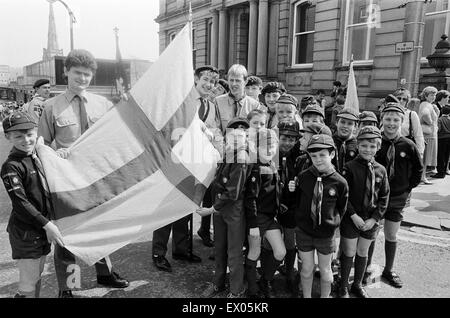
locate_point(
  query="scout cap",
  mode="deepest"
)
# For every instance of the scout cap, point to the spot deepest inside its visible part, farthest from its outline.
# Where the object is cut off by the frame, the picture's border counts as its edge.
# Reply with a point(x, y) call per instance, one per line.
point(369, 132)
point(368, 116)
point(291, 128)
point(321, 142)
point(313, 109)
point(273, 87)
point(40, 82)
point(318, 129)
point(288, 99)
point(393, 107)
point(349, 113)
point(18, 121)
point(238, 121)
point(254, 80)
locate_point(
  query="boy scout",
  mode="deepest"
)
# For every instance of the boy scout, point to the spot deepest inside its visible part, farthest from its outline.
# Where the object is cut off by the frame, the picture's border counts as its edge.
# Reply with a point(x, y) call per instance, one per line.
point(347, 121)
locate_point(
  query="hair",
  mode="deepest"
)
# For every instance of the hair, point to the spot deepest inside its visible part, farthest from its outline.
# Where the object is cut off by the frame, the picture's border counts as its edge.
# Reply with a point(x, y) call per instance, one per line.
point(441, 95)
point(392, 112)
point(314, 114)
point(238, 69)
point(254, 80)
point(256, 112)
point(445, 110)
point(427, 91)
point(337, 83)
point(83, 58)
point(402, 91)
point(199, 73)
point(273, 87)
point(224, 84)
point(413, 104)
point(371, 140)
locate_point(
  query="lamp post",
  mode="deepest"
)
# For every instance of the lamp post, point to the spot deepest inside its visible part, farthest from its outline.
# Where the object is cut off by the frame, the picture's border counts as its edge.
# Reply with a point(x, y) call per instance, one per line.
point(71, 17)
point(440, 61)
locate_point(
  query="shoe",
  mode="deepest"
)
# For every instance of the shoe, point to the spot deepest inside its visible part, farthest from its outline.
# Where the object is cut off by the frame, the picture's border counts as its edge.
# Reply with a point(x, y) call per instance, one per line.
point(212, 290)
point(359, 291)
point(292, 285)
point(114, 280)
point(267, 289)
point(240, 295)
point(434, 171)
point(425, 181)
point(162, 263)
point(343, 292)
point(206, 239)
point(438, 176)
point(19, 296)
point(65, 294)
point(191, 258)
point(393, 279)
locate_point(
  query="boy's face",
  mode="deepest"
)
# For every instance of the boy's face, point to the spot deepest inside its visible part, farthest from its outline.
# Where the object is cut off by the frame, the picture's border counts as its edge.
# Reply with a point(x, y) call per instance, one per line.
point(322, 159)
point(24, 140)
point(271, 100)
point(286, 143)
point(257, 122)
point(309, 119)
point(218, 90)
point(392, 121)
point(285, 112)
point(237, 84)
point(345, 127)
point(78, 78)
point(367, 123)
point(367, 148)
point(205, 83)
point(253, 91)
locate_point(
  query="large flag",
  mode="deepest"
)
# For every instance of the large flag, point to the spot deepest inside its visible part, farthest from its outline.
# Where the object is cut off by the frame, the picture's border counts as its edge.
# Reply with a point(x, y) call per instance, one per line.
point(351, 101)
point(144, 164)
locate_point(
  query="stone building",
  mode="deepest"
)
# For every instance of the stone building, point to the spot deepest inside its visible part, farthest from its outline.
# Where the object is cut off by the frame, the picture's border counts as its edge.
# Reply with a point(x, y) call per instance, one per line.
point(308, 44)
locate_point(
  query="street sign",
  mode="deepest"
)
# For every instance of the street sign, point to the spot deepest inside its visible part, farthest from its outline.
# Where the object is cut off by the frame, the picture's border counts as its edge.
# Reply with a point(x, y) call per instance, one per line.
point(401, 47)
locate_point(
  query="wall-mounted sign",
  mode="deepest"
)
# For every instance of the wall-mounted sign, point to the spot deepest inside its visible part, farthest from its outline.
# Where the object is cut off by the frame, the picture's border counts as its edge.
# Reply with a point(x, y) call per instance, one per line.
point(401, 47)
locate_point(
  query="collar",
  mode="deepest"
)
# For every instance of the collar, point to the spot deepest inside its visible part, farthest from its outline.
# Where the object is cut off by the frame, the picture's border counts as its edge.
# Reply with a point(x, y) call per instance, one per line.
point(342, 139)
point(71, 95)
point(364, 161)
point(16, 153)
point(325, 174)
point(394, 140)
point(234, 98)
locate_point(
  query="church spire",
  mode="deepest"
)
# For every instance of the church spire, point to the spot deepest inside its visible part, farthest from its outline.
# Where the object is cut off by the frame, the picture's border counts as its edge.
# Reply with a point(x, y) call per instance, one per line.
point(52, 42)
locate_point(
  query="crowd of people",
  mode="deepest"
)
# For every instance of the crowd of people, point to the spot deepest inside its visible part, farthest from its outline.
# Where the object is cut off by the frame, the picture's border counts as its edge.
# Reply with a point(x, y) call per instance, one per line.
point(307, 180)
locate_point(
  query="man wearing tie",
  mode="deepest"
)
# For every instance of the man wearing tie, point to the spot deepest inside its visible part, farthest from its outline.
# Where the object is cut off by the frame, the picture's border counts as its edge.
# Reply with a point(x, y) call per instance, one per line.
point(64, 119)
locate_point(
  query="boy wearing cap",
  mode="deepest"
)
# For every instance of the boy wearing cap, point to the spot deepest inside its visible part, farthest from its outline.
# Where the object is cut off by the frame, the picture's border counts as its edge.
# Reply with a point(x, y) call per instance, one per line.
point(312, 114)
point(366, 207)
point(254, 87)
point(289, 151)
point(403, 164)
point(347, 121)
point(286, 110)
point(29, 228)
point(228, 211)
point(367, 118)
point(322, 196)
point(36, 106)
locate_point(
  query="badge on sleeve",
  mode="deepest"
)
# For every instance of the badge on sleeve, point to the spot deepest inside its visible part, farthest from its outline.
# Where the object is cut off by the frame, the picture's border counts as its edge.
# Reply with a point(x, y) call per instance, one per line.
point(224, 180)
point(332, 192)
point(352, 153)
point(11, 181)
point(253, 179)
point(402, 154)
point(377, 179)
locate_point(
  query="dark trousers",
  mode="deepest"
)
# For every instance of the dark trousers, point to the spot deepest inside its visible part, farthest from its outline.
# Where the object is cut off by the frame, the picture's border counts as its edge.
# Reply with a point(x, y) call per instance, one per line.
point(443, 156)
point(205, 224)
point(229, 233)
point(180, 238)
point(64, 258)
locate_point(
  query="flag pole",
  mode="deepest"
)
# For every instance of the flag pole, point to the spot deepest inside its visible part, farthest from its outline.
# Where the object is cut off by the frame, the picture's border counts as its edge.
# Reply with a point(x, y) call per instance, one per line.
point(191, 216)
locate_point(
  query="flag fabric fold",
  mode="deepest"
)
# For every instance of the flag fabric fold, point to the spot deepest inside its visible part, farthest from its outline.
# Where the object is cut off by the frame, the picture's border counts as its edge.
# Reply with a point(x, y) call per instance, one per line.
point(351, 100)
point(145, 164)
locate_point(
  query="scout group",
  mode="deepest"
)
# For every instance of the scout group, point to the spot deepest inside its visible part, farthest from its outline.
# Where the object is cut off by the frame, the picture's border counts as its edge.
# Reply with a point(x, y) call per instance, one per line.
point(291, 187)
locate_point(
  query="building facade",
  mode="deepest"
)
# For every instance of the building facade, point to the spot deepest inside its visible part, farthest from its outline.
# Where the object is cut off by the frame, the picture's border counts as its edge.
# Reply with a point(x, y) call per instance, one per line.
point(308, 44)
point(4, 75)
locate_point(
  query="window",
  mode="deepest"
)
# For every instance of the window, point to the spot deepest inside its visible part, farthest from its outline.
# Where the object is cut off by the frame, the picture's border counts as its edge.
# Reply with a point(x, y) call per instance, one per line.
point(362, 17)
point(304, 19)
point(437, 22)
point(209, 41)
point(194, 49)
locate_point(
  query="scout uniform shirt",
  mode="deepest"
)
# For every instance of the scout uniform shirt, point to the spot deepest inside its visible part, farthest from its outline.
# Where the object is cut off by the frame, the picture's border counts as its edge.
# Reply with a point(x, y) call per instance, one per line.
point(36, 107)
point(62, 117)
point(368, 196)
point(346, 150)
point(30, 208)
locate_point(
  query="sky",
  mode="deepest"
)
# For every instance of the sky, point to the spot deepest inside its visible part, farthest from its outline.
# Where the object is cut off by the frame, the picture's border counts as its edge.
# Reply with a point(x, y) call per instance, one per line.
point(24, 28)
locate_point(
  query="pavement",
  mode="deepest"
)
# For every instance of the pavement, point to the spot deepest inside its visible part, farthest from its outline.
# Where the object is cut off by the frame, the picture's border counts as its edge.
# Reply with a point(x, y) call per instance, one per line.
point(422, 260)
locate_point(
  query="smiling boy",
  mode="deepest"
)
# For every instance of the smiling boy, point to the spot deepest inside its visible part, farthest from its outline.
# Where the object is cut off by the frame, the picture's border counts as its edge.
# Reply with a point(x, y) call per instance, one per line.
point(347, 121)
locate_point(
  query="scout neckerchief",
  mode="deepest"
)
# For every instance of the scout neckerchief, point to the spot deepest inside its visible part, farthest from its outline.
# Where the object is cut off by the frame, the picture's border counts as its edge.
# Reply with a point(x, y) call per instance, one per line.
point(271, 118)
point(341, 153)
point(203, 110)
point(369, 197)
point(390, 156)
point(316, 203)
point(40, 169)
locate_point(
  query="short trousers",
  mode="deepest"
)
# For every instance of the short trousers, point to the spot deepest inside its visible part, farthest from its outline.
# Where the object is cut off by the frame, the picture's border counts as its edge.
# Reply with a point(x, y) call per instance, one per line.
point(349, 230)
point(266, 223)
point(394, 211)
point(29, 244)
point(287, 219)
point(307, 243)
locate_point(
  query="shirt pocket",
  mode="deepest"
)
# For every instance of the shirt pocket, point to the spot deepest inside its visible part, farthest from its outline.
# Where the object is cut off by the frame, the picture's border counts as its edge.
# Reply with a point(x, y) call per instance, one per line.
point(93, 119)
point(67, 129)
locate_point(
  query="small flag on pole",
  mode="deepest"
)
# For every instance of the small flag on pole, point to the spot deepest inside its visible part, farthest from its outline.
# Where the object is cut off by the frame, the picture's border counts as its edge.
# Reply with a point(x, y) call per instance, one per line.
point(351, 100)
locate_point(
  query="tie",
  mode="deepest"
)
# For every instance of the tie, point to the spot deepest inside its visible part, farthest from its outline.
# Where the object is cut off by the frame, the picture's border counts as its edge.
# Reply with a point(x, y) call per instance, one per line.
point(390, 157)
point(341, 159)
point(83, 115)
point(370, 186)
point(202, 110)
point(284, 173)
point(316, 203)
point(237, 108)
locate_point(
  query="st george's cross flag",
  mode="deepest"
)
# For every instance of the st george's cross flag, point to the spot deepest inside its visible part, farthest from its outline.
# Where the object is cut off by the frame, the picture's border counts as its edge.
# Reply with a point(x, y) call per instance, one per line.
point(144, 164)
point(351, 100)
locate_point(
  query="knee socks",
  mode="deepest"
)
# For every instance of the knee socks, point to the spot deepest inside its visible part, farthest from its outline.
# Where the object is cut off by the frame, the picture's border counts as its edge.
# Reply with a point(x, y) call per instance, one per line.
point(389, 249)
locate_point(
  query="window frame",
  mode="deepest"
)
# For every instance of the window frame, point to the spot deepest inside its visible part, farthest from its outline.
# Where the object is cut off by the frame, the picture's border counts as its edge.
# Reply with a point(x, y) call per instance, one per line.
point(295, 35)
point(423, 59)
point(347, 28)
